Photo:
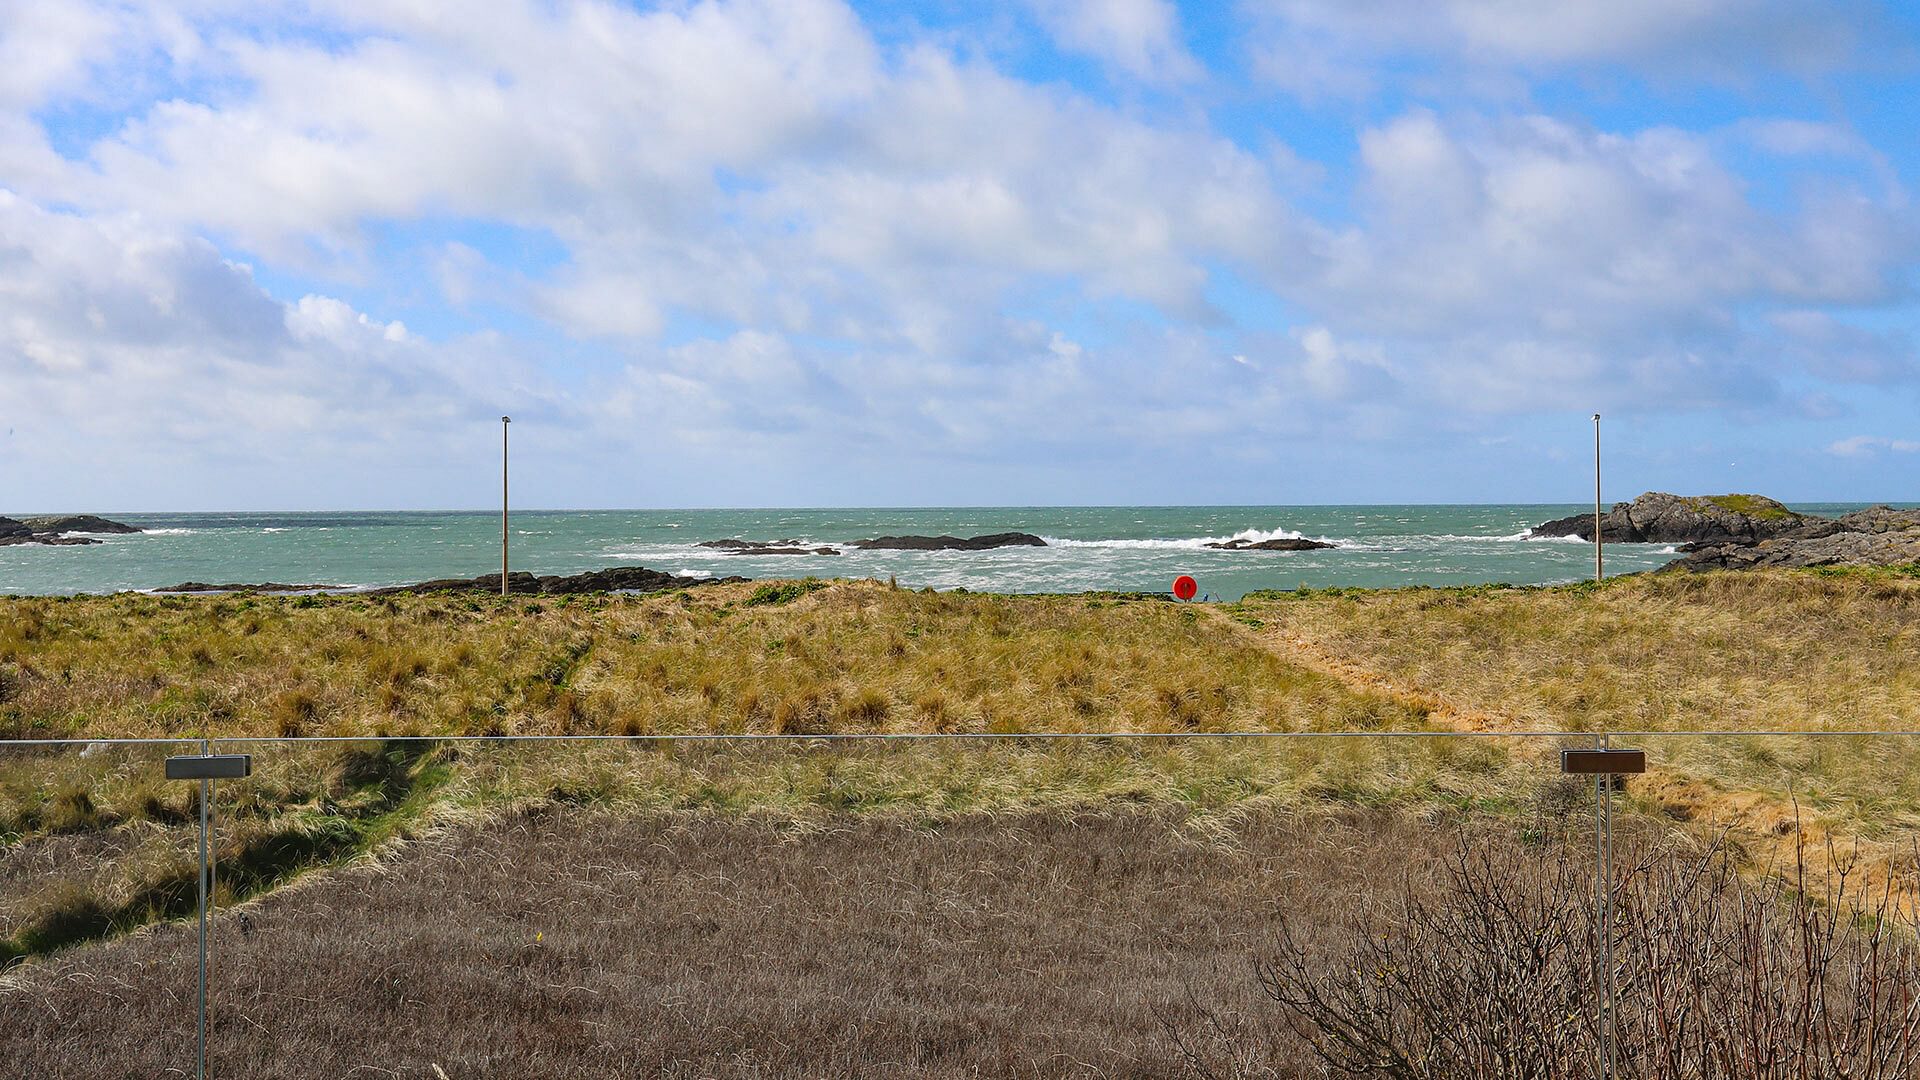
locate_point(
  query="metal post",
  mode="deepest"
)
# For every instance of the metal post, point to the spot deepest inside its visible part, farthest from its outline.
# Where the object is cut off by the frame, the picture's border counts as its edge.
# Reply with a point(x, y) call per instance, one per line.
point(504, 421)
point(1599, 565)
point(206, 872)
point(1603, 890)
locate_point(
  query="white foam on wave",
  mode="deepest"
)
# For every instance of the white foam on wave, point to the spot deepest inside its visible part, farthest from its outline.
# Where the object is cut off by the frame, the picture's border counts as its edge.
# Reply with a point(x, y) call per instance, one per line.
point(1251, 536)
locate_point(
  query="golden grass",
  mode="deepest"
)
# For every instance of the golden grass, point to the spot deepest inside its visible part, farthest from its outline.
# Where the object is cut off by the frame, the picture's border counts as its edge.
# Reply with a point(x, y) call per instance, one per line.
point(1670, 652)
point(854, 656)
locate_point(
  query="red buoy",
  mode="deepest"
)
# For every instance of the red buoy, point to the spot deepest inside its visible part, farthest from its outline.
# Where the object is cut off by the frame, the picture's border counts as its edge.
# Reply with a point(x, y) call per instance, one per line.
point(1185, 587)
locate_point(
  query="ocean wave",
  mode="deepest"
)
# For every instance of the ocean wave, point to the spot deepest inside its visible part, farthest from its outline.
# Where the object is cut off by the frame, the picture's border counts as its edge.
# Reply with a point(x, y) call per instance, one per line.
point(169, 532)
point(1251, 536)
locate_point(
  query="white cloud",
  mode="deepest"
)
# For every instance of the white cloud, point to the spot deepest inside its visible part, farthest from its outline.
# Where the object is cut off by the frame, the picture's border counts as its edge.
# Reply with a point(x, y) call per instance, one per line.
point(1140, 38)
point(1860, 446)
point(776, 234)
point(1318, 48)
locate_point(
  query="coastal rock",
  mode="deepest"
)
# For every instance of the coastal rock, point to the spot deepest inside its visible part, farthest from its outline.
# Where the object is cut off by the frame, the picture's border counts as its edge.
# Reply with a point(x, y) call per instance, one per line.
point(1283, 544)
point(81, 523)
point(1886, 548)
point(37, 531)
point(766, 547)
point(731, 544)
point(612, 579)
point(950, 543)
point(235, 587)
point(50, 539)
point(1660, 518)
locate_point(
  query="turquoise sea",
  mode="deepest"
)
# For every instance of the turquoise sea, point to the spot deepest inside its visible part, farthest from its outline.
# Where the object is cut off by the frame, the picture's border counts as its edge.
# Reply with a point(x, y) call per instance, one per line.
point(1122, 547)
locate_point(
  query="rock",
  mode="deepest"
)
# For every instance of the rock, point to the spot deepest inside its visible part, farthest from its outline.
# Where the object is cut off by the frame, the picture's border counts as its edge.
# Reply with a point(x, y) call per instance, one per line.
point(950, 543)
point(1880, 519)
point(620, 579)
point(742, 545)
point(612, 579)
point(262, 587)
point(1284, 544)
point(766, 547)
point(81, 523)
point(1659, 518)
point(50, 539)
point(1839, 549)
point(46, 530)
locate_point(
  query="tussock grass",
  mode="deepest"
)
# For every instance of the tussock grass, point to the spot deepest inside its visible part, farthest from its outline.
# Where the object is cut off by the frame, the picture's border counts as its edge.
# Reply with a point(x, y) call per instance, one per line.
point(794, 658)
point(1668, 652)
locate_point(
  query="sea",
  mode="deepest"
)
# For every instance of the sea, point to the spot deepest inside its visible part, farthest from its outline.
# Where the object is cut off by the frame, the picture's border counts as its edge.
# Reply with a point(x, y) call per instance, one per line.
point(1131, 548)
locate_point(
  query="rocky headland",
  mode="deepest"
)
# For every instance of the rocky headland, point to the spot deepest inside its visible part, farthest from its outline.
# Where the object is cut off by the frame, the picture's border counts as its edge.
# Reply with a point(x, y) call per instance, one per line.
point(57, 530)
point(950, 543)
point(1736, 532)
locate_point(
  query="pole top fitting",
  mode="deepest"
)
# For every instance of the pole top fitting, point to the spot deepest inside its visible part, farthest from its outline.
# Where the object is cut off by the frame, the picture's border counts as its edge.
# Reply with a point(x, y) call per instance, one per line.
point(509, 419)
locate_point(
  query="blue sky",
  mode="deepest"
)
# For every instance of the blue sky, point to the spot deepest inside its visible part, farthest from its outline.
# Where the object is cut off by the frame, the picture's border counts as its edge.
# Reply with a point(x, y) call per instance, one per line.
point(1086, 251)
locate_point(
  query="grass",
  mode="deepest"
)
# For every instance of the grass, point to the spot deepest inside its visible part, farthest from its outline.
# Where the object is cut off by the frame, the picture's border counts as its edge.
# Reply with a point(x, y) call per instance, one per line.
point(801, 657)
point(95, 842)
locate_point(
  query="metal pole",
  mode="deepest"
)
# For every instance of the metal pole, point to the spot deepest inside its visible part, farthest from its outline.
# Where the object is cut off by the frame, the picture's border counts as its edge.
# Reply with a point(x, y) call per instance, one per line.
point(504, 421)
point(206, 794)
point(1599, 566)
point(1603, 896)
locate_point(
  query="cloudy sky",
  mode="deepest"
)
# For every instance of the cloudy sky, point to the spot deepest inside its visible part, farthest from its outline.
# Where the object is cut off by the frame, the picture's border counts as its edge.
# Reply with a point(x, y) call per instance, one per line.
point(757, 253)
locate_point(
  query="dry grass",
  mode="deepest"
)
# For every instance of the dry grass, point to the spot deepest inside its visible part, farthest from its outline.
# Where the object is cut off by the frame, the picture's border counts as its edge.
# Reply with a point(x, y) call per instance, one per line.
point(1673, 652)
point(584, 943)
point(854, 656)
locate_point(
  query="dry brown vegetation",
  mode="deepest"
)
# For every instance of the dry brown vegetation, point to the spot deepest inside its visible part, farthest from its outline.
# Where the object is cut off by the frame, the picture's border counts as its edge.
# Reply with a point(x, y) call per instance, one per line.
point(586, 943)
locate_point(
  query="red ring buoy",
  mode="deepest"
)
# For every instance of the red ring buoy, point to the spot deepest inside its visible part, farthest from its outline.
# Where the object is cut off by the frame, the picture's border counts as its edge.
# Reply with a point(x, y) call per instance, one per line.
point(1185, 587)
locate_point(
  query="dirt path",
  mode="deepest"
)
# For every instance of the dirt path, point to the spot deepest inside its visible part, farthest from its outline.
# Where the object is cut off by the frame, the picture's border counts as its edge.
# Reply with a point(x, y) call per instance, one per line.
point(1307, 653)
point(1780, 836)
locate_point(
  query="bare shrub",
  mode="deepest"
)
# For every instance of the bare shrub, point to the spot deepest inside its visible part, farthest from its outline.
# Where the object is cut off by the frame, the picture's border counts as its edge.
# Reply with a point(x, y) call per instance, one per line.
point(1716, 974)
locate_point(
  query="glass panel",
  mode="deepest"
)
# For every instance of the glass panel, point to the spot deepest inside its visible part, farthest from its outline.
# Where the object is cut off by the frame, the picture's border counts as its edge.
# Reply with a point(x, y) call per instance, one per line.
point(98, 936)
point(865, 909)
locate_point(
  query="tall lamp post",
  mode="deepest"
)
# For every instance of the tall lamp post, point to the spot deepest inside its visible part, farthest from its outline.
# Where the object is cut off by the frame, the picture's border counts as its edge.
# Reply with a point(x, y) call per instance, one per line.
point(504, 421)
point(1599, 565)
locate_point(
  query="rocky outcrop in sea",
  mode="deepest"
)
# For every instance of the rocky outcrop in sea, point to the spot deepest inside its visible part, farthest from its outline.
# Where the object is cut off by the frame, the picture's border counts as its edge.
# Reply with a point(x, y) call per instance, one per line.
point(612, 579)
point(1659, 518)
point(950, 543)
point(1290, 543)
point(1738, 532)
point(55, 530)
point(1876, 536)
point(765, 547)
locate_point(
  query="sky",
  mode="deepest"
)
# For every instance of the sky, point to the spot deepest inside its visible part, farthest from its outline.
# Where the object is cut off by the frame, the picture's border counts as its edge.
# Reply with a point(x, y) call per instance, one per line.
point(820, 253)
